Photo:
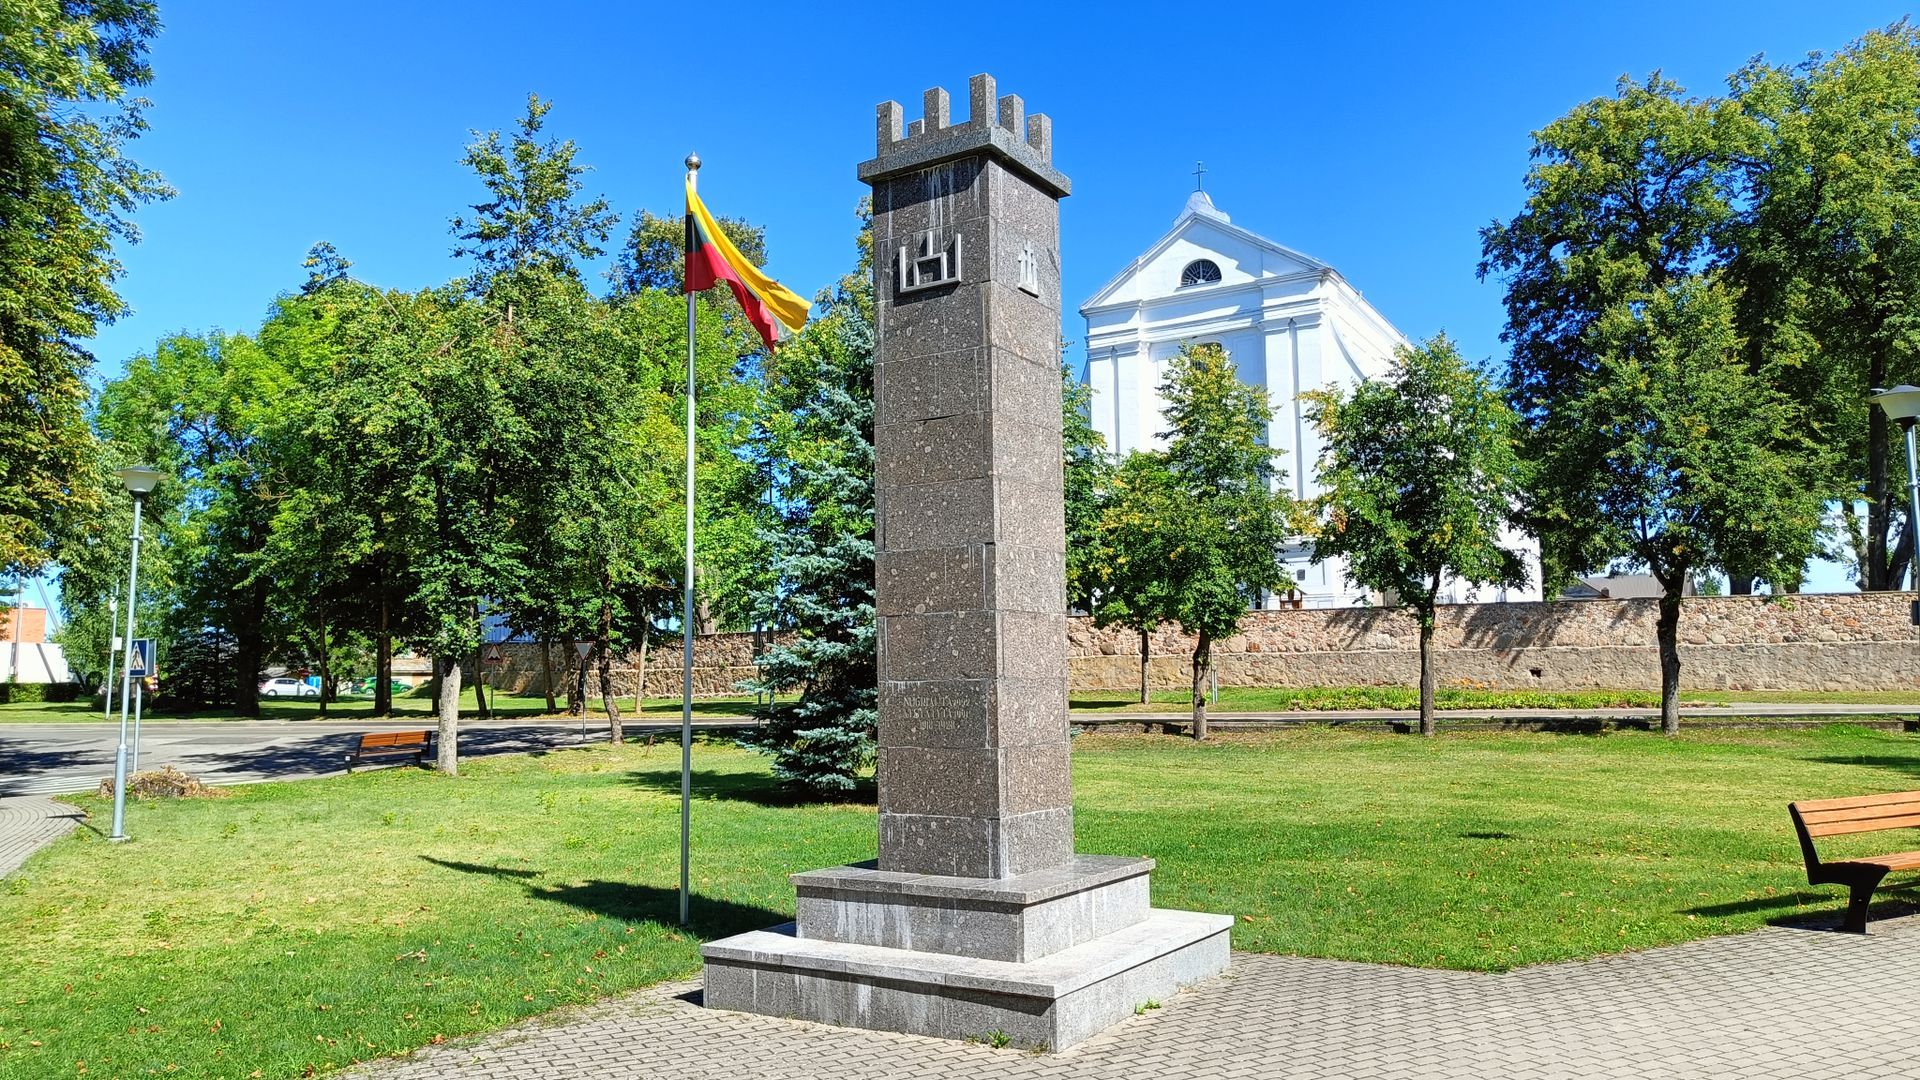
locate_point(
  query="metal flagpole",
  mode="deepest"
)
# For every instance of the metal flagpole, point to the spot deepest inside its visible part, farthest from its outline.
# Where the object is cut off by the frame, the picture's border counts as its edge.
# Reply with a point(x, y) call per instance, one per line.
point(686, 605)
point(126, 683)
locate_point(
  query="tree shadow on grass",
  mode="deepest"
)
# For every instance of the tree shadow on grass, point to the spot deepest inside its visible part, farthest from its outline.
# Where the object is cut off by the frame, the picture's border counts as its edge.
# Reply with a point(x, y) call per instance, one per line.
point(708, 917)
point(476, 868)
point(756, 788)
point(1908, 765)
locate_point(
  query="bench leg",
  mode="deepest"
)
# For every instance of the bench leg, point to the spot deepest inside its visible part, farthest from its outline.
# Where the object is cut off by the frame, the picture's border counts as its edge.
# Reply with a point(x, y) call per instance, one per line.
point(1857, 904)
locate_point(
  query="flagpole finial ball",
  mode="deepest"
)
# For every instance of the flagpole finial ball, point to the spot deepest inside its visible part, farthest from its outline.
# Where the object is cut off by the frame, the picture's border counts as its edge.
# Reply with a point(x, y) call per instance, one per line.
point(693, 162)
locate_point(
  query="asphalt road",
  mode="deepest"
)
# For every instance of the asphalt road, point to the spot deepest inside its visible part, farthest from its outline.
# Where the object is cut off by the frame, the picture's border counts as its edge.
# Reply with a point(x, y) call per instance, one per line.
point(42, 759)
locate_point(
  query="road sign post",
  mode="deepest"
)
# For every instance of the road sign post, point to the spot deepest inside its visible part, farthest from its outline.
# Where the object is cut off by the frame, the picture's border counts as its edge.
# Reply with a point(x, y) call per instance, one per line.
point(143, 669)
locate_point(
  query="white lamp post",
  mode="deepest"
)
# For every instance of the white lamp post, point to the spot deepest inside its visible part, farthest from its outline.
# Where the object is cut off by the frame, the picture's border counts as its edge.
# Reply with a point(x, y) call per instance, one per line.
point(139, 480)
point(1902, 404)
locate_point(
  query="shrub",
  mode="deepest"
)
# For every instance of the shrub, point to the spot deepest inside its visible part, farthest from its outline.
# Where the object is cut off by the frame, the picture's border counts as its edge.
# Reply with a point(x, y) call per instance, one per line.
point(22, 693)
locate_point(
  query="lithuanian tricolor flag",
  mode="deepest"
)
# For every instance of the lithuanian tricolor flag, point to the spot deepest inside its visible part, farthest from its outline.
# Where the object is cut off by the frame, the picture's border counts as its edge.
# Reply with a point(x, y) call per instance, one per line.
point(712, 258)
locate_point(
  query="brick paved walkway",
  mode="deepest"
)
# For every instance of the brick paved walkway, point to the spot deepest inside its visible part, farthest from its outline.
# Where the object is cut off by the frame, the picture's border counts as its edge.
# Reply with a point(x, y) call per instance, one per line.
point(1793, 1004)
point(29, 822)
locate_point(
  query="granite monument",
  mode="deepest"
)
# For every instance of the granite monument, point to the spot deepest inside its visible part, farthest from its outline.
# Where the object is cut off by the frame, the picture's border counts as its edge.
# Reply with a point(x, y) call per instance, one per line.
point(977, 917)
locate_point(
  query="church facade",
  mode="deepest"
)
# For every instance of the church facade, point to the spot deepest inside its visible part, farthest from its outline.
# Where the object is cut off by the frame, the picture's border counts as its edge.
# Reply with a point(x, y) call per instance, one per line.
point(1289, 322)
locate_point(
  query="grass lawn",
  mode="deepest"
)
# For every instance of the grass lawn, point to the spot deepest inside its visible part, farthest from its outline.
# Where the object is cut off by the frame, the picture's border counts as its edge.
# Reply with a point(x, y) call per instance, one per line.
point(405, 706)
point(1293, 699)
point(319, 922)
point(1298, 699)
point(1232, 699)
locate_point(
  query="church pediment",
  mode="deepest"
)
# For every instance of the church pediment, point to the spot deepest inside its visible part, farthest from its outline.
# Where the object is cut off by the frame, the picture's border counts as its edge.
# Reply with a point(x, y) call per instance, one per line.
point(1203, 251)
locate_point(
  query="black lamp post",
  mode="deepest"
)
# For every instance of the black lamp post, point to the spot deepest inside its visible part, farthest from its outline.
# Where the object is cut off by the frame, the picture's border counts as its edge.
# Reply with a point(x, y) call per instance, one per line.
point(1902, 404)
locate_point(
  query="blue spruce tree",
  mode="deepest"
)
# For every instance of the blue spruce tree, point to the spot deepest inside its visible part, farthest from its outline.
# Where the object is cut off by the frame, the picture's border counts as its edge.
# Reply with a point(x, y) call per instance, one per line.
point(817, 444)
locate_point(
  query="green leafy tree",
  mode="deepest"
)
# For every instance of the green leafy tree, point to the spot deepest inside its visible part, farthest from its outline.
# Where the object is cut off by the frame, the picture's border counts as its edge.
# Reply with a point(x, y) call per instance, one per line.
point(68, 74)
point(1229, 514)
point(201, 407)
point(818, 431)
point(525, 306)
point(1687, 461)
point(1650, 439)
point(1134, 539)
point(1420, 473)
point(92, 555)
point(535, 217)
point(352, 436)
point(654, 254)
point(1827, 261)
point(1086, 474)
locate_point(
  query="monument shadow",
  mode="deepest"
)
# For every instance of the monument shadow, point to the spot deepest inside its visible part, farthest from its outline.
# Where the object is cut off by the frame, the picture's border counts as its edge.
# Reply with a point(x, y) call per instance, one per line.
point(755, 788)
point(709, 917)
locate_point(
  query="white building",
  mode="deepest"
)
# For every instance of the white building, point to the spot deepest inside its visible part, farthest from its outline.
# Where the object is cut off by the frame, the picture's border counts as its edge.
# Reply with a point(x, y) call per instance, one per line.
point(1289, 322)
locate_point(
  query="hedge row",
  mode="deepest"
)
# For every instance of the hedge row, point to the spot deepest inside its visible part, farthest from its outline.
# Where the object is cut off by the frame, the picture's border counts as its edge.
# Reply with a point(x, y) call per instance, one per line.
point(12, 693)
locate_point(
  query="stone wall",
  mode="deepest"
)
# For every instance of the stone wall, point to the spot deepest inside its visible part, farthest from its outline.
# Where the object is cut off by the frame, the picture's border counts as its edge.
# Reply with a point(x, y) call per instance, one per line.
point(1840, 641)
point(721, 662)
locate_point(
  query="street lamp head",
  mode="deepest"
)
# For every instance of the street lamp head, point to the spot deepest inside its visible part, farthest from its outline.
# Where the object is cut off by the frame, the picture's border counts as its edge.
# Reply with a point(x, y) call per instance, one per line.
point(140, 479)
point(1900, 403)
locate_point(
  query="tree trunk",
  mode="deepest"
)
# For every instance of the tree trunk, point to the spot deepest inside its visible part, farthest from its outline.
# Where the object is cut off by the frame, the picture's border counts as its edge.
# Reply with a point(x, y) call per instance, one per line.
point(1667, 629)
point(480, 685)
point(447, 759)
point(577, 697)
point(1897, 563)
point(325, 671)
point(383, 665)
point(1426, 673)
point(1879, 512)
point(703, 623)
point(247, 662)
point(1202, 661)
point(546, 675)
point(615, 732)
point(1146, 655)
point(616, 729)
point(640, 683)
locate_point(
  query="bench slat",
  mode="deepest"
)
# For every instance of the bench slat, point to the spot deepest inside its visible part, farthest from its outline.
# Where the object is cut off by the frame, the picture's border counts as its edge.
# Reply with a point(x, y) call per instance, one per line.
point(1840, 828)
point(1899, 860)
point(1861, 813)
point(393, 738)
point(1815, 805)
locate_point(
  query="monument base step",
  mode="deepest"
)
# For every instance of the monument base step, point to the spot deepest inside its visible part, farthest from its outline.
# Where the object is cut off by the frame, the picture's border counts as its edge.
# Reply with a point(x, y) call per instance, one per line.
point(1050, 1003)
point(1021, 919)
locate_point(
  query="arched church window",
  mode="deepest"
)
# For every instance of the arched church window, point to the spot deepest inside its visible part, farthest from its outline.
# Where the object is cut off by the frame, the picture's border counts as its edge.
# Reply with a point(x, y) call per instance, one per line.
point(1199, 272)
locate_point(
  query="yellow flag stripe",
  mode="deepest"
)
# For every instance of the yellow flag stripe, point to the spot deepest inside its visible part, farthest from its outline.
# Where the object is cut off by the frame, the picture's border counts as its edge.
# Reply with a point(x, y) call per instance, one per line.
point(785, 305)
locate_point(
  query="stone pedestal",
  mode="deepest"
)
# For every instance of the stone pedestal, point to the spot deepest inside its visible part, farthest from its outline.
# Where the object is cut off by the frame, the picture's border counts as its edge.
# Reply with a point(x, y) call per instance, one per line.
point(977, 917)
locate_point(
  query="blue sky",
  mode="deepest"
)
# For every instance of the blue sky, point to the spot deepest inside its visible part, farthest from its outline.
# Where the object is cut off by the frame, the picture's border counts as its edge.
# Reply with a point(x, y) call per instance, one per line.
point(1378, 138)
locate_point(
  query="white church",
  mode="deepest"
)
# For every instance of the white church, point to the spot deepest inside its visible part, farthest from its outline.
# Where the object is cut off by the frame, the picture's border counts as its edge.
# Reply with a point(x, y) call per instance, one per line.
point(1289, 322)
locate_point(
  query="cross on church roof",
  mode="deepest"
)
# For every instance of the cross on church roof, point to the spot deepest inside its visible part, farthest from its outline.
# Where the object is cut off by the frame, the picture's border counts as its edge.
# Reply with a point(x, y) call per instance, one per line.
point(1199, 167)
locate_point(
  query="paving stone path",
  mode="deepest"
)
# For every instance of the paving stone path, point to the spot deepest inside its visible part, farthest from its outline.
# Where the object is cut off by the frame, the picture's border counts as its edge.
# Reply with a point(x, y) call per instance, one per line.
point(28, 823)
point(1787, 1003)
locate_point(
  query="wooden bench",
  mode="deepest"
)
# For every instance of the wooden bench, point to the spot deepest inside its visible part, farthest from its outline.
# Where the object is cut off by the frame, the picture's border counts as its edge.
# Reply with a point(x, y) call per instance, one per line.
point(389, 745)
point(1865, 813)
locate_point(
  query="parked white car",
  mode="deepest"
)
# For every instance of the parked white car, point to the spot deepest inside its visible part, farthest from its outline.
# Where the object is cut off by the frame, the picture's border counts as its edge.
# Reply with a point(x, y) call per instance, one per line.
point(288, 688)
